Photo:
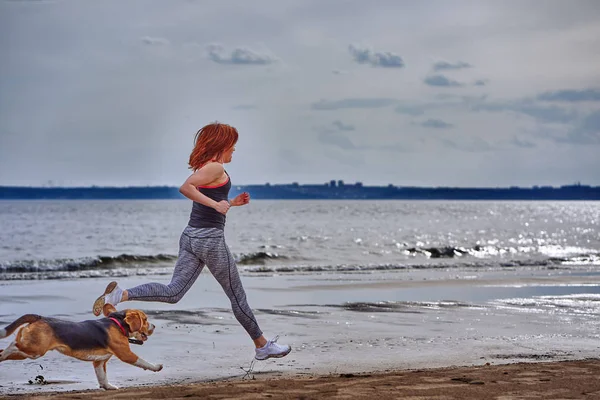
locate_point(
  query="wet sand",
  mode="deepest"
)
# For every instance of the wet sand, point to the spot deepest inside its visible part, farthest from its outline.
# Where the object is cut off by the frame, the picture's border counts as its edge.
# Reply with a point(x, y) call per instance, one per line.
point(555, 380)
point(366, 323)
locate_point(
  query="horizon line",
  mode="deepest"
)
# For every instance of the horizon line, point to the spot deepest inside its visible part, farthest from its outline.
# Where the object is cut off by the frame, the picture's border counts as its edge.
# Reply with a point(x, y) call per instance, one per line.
point(338, 184)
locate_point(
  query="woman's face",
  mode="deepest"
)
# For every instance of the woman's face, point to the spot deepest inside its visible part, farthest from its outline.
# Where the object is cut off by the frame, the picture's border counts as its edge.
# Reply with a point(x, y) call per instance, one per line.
point(228, 154)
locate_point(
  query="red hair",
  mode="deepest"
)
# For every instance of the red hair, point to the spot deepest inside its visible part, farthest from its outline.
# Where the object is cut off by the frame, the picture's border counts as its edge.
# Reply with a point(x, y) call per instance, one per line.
point(211, 142)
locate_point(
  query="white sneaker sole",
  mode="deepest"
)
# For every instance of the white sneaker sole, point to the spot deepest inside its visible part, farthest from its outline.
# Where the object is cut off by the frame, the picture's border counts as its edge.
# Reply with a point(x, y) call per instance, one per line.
point(100, 301)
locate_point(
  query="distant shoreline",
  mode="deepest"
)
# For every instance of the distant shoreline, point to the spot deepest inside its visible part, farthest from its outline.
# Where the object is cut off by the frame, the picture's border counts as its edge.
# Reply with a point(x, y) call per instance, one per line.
point(329, 191)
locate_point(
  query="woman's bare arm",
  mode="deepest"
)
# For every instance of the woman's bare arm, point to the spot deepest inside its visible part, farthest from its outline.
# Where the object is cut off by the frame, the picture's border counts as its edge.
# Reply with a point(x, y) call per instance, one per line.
point(204, 177)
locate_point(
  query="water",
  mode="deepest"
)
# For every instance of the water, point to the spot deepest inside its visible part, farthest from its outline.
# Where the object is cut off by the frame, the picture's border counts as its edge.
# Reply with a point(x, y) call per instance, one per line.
point(71, 239)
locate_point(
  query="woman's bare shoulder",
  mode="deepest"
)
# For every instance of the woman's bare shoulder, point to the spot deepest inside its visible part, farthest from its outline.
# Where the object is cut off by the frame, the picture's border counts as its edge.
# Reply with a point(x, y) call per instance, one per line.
point(212, 167)
point(209, 172)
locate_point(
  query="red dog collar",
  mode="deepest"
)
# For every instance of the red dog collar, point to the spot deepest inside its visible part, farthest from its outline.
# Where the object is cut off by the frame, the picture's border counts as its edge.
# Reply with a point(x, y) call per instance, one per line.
point(120, 326)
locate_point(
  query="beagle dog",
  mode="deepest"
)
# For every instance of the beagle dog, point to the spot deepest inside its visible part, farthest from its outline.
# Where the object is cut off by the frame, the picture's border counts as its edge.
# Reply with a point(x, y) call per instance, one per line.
point(93, 340)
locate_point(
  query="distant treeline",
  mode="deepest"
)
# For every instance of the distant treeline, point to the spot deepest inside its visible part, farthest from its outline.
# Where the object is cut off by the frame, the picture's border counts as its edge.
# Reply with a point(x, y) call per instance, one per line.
point(332, 190)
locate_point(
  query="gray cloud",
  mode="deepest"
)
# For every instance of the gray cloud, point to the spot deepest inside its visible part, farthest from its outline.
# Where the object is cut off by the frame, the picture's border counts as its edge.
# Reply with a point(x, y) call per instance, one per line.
point(587, 132)
point(335, 138)
point(441, 80)
point(462, 98)
point(155, 41)
point(376, 59)
point(522, 143)
point(411, 109)
point(245, 107)
point(436, 123)
point(542, 113)
point(445, 101)
point(396, 148)
point(445, 66)
point(571, 95)
point(240, 55)
point(472, 144)
point(289, 156)
point(352, 103)
point(343, 127)
point(480, 82)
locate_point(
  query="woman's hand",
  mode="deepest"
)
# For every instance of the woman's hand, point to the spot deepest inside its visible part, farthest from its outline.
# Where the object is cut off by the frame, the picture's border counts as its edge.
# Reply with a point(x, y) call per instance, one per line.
point(241, 199)
point(222, 206)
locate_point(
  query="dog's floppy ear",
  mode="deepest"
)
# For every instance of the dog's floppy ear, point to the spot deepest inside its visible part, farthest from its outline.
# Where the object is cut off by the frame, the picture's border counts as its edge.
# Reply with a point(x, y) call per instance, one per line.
point(108, 309)
point(134, 320)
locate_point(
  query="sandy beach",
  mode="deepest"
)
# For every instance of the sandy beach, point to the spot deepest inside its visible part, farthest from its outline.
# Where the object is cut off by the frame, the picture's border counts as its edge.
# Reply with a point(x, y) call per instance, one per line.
point(504, 320)
point(339, 333)
point(542, 380)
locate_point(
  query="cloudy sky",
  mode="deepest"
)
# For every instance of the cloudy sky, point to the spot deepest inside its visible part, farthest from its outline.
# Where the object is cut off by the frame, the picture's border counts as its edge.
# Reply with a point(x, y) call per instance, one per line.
point(444, 93)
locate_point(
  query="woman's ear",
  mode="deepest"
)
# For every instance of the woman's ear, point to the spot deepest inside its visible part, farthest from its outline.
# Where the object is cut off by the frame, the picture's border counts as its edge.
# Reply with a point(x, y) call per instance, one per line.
point(134, 320)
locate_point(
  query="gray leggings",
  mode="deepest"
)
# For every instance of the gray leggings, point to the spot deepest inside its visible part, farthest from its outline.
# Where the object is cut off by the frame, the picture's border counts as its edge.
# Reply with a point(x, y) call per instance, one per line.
point(199, 247)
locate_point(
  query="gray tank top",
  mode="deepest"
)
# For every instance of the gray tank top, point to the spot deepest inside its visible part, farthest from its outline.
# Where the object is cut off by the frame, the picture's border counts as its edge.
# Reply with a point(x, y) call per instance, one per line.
point(207, 217)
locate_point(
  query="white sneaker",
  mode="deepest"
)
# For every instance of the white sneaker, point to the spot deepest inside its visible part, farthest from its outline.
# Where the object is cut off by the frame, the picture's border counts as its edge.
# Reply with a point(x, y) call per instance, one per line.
point(112, 295)
point(272, 350)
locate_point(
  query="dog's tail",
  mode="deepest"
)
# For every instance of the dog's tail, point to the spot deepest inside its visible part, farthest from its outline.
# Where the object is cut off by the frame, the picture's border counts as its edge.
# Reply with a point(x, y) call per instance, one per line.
point(25, 319)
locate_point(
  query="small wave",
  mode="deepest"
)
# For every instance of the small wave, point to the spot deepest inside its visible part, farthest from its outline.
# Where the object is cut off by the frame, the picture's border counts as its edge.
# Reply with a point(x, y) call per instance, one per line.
point(574, 304)
point(400, 306)
point(271, 246)
point(260, 257)
point(583, 259)
point(567, 253)
point(82, 264)
point(292, 313)
point(479, 264)
point(82, 274)
point(114, 262)
point(438, 252)
point(380, 306)
point(261, 263)
point(479, 251)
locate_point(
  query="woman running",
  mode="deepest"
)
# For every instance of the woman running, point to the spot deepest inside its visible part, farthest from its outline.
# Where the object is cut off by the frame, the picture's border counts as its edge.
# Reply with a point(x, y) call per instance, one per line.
point(202, 241)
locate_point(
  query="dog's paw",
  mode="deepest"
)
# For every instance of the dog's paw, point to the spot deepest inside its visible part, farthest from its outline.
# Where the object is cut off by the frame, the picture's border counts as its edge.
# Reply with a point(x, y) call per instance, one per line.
point(158, 367)
point(108, 386)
